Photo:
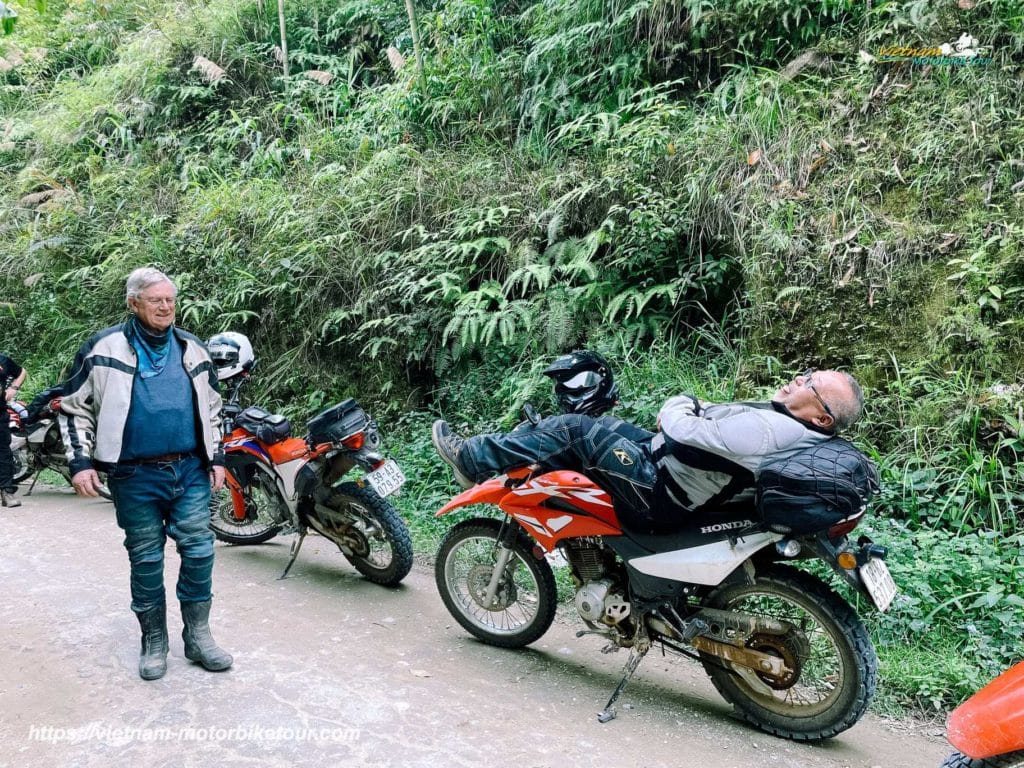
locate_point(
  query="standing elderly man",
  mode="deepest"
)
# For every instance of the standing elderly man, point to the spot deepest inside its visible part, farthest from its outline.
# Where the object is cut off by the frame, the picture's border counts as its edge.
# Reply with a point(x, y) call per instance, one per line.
point(703, 455)
point(12, 376)
point(143, 405)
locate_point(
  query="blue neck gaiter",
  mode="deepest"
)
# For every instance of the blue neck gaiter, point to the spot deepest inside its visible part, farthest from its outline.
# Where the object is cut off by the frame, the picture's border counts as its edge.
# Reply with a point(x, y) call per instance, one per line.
point(151, 348)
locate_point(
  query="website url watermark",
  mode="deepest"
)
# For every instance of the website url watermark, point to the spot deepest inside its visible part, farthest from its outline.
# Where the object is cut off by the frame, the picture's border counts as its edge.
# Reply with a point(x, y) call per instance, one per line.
point(962, 52)
point(115, 735)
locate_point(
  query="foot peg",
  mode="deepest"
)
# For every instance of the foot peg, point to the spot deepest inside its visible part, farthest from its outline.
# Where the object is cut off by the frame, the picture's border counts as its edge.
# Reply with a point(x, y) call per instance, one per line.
point(692, 628)
point(687, 629)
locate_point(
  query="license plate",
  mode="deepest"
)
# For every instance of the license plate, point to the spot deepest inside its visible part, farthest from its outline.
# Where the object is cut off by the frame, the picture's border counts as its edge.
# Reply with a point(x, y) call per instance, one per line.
point(876, 577)
point(387, 479)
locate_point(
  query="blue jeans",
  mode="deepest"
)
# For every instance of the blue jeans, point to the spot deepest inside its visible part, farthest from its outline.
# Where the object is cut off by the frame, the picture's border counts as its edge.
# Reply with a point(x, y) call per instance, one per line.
point(154, 501)
point(621, 466)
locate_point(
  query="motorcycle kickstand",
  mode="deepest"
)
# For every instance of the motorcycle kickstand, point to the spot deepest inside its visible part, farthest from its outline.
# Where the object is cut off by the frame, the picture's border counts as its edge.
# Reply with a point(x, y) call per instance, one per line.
point(296, 546)
point(35, 479)
point(636, 655)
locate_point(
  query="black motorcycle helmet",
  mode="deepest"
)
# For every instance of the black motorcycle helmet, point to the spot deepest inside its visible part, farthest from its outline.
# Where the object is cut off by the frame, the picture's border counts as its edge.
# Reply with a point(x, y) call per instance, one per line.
point(583, 383)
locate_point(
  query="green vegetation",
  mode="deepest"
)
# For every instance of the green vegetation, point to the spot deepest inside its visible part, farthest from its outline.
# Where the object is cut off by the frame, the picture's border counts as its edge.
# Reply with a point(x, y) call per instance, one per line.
point(712, 193)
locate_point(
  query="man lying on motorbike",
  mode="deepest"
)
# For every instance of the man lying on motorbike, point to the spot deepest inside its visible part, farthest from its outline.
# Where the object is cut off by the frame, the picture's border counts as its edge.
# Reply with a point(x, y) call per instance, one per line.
point(702, 456)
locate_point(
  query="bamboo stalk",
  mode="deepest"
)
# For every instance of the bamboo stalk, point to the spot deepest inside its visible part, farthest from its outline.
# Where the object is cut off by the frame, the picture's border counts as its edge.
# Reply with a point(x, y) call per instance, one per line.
point(284, 39)
point(414, 27)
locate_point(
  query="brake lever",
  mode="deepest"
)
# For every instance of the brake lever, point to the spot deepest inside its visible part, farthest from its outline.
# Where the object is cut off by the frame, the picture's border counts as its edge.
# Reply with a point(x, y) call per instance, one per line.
point(530, 413)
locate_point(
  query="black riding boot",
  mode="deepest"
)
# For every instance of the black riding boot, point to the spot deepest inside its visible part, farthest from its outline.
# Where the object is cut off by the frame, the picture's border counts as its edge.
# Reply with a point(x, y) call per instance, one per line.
point(153, 658)
point(199, 643)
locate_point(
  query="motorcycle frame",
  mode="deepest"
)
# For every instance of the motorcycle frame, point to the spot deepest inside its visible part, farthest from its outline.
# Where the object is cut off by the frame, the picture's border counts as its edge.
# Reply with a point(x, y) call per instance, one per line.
point(296, 467)
point(32, 437)
point(591, 514)
point(284, 461)
point(587, 511)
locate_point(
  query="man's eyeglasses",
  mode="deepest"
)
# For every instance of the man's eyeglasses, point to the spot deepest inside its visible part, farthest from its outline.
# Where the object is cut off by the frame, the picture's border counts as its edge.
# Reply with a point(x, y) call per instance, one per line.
point(810, 385)
point(158, 302)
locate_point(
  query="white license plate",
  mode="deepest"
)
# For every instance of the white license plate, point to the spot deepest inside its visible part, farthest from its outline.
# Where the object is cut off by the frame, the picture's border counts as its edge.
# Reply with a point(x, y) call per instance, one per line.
point(879, 583)
point(387, 479)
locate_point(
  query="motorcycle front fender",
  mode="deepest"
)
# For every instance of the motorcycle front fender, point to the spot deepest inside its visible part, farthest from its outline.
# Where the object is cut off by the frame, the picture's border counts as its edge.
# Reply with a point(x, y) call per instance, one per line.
point(991, 722)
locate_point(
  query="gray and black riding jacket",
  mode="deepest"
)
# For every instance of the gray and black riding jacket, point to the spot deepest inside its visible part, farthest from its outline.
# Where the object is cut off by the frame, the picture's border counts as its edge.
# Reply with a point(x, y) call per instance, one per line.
point(97, 397)
point(707, 455)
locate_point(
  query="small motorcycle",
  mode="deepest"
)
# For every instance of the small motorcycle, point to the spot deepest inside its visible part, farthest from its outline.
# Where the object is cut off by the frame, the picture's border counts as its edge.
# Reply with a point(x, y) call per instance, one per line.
point(36, 443)
point(277, 484)
point(988, 728)
point(778, 643)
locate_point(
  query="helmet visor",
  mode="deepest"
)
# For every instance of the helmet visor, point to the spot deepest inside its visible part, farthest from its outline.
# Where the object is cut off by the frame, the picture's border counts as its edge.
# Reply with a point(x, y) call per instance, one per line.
point(582, 380)
point(224, 356)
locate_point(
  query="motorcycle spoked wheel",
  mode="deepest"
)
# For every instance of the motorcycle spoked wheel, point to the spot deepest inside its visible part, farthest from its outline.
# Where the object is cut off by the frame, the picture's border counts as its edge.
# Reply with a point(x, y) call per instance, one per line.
point(1009, 760)
point(834, 662)
point(263, 507)
point(526, 597)
point(22, 465)
point(379, 544)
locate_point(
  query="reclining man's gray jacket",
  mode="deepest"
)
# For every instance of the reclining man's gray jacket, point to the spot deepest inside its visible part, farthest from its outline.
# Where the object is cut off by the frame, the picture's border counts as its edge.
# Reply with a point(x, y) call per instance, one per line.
point(712, 454)
point(97, 397)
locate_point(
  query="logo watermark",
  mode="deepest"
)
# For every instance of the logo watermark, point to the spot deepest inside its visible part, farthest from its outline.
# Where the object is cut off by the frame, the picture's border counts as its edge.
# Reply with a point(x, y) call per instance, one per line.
point(962, 52)
point(120, 734)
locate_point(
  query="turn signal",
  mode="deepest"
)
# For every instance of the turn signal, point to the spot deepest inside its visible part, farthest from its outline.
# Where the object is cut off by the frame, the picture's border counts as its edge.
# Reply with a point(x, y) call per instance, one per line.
point(355, 442)
point(847, 560)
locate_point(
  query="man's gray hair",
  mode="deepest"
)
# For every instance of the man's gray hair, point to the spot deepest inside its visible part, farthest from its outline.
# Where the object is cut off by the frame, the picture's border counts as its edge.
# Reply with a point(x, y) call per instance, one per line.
point(143, 278)
point(849, 409)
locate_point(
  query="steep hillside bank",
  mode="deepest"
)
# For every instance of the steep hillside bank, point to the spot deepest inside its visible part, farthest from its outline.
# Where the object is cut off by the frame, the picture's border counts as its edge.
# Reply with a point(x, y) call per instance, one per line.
point(713, 193)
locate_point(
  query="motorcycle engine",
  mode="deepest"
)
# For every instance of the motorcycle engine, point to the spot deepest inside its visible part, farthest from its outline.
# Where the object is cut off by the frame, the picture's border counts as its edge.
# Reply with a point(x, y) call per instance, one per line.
point(597, 601)
point(599, 598)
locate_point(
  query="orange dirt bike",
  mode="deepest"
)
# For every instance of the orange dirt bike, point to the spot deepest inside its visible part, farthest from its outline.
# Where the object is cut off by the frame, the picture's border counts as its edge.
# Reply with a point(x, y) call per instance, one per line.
point(277, 483)
point(988, 728)
point(779, 643)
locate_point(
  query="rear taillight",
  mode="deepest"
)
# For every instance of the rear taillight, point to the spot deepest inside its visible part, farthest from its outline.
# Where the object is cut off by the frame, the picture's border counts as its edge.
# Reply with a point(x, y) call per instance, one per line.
point(843, 527)
point(354, 442)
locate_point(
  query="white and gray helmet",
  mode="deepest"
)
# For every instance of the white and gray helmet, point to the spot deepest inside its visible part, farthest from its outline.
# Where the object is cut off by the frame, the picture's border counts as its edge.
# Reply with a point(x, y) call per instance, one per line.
point(231, 352)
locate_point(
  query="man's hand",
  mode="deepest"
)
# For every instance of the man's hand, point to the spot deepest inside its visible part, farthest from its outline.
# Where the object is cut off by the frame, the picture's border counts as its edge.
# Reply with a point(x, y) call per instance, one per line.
point(216, 478)
point(10, 393)
point(86, 482)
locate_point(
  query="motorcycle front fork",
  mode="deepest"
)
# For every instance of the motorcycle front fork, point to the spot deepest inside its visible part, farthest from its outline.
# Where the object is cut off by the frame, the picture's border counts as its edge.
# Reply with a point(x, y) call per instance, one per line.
point(503, 555)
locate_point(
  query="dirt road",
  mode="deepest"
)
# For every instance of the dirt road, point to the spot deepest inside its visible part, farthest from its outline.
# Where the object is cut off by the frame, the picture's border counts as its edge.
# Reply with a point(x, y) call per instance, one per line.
point(331, 670)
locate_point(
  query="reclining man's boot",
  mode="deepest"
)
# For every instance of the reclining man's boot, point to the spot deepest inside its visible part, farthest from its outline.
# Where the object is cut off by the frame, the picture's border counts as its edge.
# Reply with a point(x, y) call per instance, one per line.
point(199, 643)
point(153, 657)
point(448, 445)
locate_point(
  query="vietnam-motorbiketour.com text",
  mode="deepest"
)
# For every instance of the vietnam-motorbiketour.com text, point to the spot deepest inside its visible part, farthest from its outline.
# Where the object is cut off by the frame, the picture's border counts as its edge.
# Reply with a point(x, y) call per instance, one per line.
point(122, 734)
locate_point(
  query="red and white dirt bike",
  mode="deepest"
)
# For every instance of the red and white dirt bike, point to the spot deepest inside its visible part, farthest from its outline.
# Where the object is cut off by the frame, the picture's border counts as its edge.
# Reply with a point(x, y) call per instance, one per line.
point(785, 649)
point(988, 728)
point(276, 483)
